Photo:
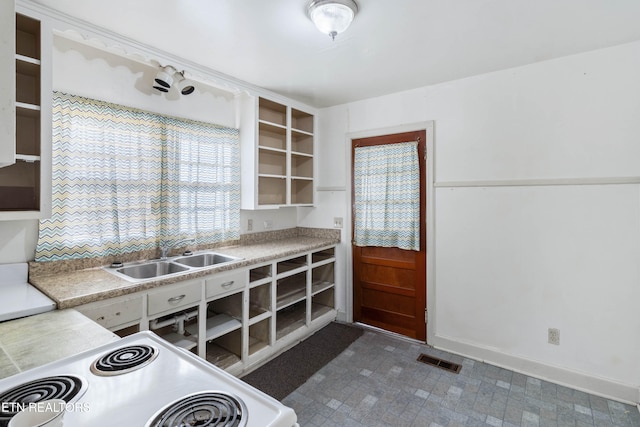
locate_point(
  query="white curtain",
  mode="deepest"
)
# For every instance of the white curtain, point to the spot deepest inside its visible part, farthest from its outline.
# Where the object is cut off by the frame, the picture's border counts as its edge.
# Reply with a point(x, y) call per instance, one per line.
point(124, 180)
point(387, 196)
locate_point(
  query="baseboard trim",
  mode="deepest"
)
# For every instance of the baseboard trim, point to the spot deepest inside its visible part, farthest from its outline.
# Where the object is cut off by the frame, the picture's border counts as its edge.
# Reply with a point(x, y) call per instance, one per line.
point(577, 380)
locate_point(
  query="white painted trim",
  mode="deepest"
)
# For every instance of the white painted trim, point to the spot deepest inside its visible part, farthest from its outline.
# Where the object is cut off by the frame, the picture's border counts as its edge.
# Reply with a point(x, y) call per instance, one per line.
point(427, 126)
point(68, 26)
point(603, 387)
point(541, 182)
point(338, 188)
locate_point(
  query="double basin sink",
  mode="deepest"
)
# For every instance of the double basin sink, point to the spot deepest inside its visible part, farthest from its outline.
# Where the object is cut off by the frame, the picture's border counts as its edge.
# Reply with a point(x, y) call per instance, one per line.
point(161, 268)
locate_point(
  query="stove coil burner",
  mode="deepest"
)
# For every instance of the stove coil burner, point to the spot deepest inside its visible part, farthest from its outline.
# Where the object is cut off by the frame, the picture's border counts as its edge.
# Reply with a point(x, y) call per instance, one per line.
point(66, 387)
point(209, 408)
point(124, 360)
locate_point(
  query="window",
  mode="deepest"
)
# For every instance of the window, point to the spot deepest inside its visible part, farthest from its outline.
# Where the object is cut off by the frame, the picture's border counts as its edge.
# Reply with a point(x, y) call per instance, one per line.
point(124, 180)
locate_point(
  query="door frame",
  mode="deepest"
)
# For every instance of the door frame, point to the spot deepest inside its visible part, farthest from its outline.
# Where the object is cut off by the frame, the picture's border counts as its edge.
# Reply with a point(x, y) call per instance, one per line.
point(428, 127)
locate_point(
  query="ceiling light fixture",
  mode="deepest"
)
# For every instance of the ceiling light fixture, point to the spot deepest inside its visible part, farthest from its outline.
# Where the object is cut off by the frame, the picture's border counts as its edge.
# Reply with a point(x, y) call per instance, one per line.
point(165, 78)
point(332, 16)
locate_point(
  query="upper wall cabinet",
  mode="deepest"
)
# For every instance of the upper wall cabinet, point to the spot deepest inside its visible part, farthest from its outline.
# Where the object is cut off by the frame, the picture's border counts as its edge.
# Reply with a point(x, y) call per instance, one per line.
point(7, 83)
point(25, 122)
point(277, 154)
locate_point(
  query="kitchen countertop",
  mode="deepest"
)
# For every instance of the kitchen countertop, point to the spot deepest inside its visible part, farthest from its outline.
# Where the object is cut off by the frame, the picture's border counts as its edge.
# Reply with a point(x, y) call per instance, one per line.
point(37, 340)
point(70, 289)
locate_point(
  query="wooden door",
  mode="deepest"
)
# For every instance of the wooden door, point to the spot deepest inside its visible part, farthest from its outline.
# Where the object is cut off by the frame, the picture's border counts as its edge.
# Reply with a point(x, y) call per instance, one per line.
point(389, 284)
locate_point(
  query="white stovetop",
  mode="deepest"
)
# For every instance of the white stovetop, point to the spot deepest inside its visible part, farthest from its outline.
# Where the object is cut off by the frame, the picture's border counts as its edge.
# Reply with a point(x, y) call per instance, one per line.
point(17, 297)
point(133, 398)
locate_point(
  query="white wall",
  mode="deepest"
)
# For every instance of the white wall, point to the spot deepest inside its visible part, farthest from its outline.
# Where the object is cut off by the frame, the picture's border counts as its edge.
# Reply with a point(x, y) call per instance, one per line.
point(515, 259)
point(86, 71)
point(83, 70)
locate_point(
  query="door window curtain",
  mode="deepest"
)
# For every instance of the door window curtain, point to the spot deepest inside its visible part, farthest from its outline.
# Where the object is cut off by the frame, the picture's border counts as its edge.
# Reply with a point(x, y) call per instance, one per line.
point(387, 196)
point(122, 183)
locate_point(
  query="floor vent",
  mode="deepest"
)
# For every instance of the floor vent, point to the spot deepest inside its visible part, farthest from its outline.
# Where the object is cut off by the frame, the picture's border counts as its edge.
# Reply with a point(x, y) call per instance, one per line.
point(440, 363)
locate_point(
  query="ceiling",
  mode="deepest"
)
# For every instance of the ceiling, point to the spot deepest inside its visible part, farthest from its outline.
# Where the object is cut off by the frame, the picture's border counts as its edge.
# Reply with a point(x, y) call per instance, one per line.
point(392, 45)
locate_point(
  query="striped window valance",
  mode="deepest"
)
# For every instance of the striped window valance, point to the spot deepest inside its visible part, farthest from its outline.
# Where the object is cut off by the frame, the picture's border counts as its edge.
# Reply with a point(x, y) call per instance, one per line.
point(125, 180)
point(387, 196)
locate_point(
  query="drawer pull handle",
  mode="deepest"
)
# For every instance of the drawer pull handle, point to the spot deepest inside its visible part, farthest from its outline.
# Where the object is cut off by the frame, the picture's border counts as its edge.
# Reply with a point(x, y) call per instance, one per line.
point(176, 299)
point(227, 284)
point(101, 318)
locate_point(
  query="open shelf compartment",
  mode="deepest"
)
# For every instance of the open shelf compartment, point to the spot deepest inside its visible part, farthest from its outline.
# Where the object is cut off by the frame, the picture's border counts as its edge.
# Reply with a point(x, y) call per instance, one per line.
point(290, 265)
point(301, 191)
point(301, 166)
point(323, 255)
point(290, 319)
point(322, 277)
point(259, 302)
point(260, 274)
point(272, 162)
point(272, 191)
point(291, 289)
point(168, 329)
point(225, 351)
point(272, 136)
point(322, 303)
point(27, 37)
point(272, 112)
point(301, 121)
point(259, 336)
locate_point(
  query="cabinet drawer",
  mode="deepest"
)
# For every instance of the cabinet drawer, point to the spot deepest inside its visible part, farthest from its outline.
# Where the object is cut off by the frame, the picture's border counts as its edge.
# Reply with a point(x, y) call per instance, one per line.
point(225, 282)
point(173, 297)
point(114, 313)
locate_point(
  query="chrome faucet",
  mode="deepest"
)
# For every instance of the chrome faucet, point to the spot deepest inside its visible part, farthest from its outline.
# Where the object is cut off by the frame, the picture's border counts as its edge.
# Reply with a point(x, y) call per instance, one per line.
point(164, 249)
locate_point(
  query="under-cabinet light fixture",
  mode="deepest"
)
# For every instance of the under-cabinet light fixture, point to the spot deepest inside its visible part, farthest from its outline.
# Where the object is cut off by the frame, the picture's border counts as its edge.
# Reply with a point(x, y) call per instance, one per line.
point(332, 17)
point(165, 77)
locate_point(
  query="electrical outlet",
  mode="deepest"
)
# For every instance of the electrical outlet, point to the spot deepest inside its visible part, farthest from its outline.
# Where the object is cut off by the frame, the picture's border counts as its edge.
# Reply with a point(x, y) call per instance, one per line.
point(553, 336)
point(268, 224)
point(249, 224)
point(337, 222)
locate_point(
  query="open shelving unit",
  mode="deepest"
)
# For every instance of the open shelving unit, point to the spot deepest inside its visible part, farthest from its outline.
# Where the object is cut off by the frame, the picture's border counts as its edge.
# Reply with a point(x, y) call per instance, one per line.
point(20, 182)
point(280, 153)
point(25, 146)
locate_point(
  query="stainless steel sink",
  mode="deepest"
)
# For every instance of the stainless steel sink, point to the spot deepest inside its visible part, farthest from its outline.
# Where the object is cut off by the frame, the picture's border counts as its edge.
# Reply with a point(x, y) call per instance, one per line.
point(161, 269)
point(151, 269)
point(205, 260)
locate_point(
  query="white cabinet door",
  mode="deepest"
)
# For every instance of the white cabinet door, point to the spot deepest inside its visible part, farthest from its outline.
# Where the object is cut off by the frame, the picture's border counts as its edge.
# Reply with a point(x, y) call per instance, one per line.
point(7, 83)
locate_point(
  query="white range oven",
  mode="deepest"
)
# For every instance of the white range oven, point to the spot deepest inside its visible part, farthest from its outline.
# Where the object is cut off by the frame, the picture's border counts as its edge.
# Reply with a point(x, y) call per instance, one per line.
point(142, 381)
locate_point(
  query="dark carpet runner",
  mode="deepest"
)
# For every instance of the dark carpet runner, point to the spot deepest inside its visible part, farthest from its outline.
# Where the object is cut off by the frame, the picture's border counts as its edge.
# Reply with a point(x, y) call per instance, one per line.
point(282, 375)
